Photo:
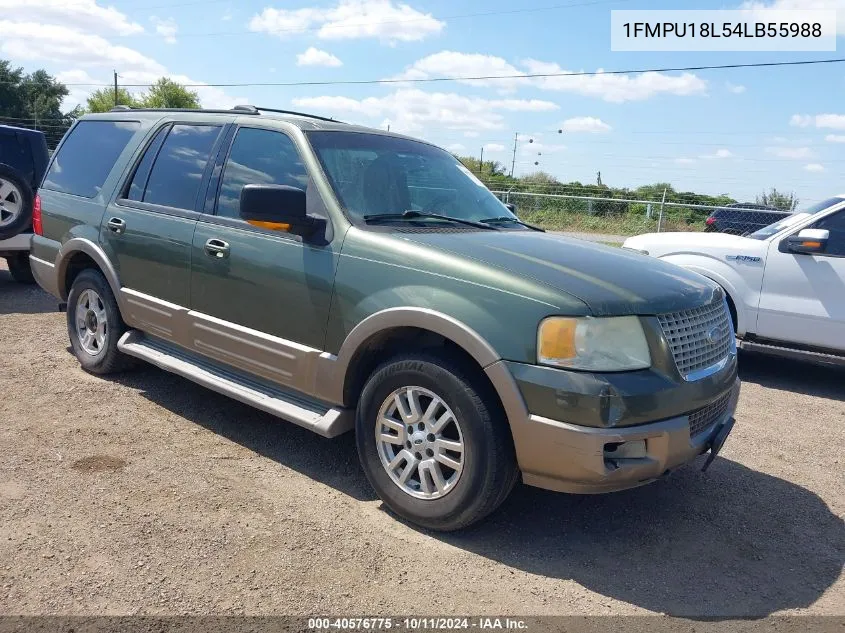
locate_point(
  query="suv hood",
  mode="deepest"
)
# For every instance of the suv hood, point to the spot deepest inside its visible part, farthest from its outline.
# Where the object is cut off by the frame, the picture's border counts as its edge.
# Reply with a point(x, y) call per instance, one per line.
point(611, 281)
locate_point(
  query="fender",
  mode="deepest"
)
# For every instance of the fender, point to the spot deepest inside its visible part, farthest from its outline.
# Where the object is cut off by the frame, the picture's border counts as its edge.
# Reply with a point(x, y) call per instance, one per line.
point(333, 376)
point(84, 245)
point(732, 282)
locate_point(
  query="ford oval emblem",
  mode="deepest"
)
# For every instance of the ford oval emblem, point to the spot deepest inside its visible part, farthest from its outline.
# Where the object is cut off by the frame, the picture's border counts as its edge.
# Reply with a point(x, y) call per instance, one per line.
point(714, 335)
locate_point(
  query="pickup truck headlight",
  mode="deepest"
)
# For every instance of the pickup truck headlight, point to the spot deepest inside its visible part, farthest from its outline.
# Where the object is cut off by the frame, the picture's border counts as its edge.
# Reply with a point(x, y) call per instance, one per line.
point(594, 344)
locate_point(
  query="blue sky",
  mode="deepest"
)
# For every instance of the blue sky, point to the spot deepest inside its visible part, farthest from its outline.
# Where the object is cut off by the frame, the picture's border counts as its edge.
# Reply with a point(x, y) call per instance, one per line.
point(729, 131)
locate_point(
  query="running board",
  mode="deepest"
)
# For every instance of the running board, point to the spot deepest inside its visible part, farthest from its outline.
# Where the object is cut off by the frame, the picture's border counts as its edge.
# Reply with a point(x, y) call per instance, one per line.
point(793, 353)
point(314, 416)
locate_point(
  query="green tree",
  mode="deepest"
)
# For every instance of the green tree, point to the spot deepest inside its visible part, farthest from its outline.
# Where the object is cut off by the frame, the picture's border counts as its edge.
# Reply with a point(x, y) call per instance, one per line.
point(778, 199)
point(33, 100)
point(102, 100)
point(166, 93)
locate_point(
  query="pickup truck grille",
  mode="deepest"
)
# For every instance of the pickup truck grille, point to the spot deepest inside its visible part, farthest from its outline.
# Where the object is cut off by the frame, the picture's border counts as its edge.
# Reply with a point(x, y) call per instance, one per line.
point(699, 338)
point(702, 419)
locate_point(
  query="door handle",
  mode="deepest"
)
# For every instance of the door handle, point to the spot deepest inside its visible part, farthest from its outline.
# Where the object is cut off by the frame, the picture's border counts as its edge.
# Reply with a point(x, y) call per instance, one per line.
point(116, 225)
point(217, 248)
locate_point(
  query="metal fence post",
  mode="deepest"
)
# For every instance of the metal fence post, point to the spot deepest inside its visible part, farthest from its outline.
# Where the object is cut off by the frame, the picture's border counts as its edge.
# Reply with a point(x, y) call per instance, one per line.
point(660, 217)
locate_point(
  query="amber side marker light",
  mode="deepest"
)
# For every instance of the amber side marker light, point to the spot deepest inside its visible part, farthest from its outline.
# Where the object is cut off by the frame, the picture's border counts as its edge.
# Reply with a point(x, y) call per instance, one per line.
point(811, 244)
point(271, 226)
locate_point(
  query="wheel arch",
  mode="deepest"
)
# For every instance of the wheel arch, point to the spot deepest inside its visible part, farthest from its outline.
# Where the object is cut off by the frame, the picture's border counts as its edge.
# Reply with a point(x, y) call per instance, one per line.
point(732, 292)
point(76, 255)
point(378, 336)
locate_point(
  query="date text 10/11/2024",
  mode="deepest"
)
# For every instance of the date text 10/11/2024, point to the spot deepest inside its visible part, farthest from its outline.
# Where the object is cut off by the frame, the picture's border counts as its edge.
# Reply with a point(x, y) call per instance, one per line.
point(726, 29)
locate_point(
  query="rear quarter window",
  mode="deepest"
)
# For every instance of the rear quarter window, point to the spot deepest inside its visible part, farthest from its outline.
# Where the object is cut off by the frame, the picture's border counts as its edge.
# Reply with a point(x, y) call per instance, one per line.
point(87, 156)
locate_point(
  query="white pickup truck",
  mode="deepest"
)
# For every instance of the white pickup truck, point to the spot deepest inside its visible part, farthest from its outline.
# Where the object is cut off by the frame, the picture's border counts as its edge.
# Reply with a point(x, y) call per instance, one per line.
point(785, 283)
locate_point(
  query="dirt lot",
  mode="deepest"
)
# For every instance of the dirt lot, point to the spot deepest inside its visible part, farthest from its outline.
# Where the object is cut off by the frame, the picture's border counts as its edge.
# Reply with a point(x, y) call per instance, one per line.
point(145, 493)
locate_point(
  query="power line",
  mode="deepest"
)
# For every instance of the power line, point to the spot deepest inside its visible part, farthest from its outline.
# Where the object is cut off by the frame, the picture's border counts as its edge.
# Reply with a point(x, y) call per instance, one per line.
point(635, 71)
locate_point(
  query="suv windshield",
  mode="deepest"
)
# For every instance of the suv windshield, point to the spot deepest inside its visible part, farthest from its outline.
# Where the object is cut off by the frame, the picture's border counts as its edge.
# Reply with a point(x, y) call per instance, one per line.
point(777, 227)
point(375, 175)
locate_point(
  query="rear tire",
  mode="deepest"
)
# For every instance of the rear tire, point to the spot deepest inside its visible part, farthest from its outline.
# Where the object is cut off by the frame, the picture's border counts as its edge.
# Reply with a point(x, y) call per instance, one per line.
point(15, 204)
point(448, 460)
point(94, 324)
point(19, 268)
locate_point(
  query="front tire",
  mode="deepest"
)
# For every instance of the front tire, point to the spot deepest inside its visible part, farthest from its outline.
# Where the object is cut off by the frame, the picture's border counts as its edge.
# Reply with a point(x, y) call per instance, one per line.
point(434, 442)
point(94, 324)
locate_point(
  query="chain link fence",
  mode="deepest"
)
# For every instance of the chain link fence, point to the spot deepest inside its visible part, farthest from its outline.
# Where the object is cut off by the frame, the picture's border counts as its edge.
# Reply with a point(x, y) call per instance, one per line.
point(623, 216)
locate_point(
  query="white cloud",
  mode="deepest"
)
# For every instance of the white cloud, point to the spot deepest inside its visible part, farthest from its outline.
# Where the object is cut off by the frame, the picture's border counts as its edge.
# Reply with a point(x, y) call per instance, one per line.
point(227, 16)
point(616, 88)
point(84, 15)
point(411, 110)
point(718, 154)
point(801, 120)
point(835, 138)
point(586, 124)
point(456, 147)
point(685, 161)
point(471, 134)
point(800, 5)
point(166, 28)
point(453, 64)
point(316, 57)
point(35, 41)
point(795, 153)
point(494, 147)
point(830, 121)
point(814, 167)
point(735, 88)
point(351, 19)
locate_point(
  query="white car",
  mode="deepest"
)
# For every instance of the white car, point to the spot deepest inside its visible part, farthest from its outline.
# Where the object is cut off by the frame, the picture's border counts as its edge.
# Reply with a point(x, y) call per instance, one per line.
point(785, 283)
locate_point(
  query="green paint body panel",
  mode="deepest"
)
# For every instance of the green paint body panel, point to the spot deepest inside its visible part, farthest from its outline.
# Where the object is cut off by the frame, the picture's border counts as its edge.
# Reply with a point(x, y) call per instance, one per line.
point(270, 282)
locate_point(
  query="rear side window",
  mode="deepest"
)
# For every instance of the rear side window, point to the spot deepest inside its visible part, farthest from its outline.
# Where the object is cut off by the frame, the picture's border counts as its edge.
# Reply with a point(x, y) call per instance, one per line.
point(259, 157)
point(87, 156)
point(176, 176)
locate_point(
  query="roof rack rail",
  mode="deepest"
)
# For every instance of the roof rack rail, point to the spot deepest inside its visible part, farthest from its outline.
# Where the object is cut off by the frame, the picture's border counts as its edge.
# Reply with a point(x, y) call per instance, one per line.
point(302, 114)
point(239, 109)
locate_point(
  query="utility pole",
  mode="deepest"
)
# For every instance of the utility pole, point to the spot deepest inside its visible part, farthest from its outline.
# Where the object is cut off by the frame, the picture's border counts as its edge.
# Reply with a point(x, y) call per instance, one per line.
point(481, 162)
point(513, 162)
point(115, 87)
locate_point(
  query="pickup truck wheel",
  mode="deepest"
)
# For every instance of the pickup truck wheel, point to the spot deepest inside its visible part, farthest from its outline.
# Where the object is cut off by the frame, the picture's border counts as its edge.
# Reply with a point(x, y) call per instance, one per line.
point(15, 204)
point(19, 268)
point(94, 324)
point(433, 443)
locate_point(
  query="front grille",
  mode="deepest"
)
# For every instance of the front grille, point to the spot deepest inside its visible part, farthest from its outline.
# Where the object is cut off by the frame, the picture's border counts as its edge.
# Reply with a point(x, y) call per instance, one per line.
point(699, 338)
point(705, 417)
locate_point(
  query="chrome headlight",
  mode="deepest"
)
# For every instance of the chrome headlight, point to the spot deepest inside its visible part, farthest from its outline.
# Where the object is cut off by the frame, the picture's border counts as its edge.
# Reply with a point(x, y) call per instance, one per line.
point(595, 344)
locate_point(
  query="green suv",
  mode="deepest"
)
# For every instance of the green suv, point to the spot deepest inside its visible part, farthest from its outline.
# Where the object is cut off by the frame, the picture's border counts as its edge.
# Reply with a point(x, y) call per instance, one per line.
point(344, 278)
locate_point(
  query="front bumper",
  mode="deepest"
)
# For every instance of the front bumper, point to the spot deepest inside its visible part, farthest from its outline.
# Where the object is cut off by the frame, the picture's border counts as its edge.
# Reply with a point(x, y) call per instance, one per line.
point(575, 457)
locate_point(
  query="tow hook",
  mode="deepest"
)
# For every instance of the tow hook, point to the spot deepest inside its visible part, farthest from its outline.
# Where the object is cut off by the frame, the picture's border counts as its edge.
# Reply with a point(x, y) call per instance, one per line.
point(718, 442)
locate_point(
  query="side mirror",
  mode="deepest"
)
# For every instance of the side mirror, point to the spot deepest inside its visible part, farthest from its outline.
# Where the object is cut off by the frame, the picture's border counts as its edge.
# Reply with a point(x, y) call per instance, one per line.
point(510, 206)
point(808, 241)
point(278, 208)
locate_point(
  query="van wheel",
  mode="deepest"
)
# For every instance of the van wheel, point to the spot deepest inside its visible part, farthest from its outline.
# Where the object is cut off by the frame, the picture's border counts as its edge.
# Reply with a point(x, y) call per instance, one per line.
point(19, 268)
point(434, 442)
point(94, 324)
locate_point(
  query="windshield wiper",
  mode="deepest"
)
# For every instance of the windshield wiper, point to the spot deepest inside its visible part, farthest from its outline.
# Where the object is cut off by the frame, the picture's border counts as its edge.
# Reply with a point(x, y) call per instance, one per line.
point(512, 220)
point(414, 215)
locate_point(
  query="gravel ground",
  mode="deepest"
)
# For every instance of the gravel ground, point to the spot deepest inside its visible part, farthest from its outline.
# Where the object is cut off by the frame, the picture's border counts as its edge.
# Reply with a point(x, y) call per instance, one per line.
point(145, 493)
